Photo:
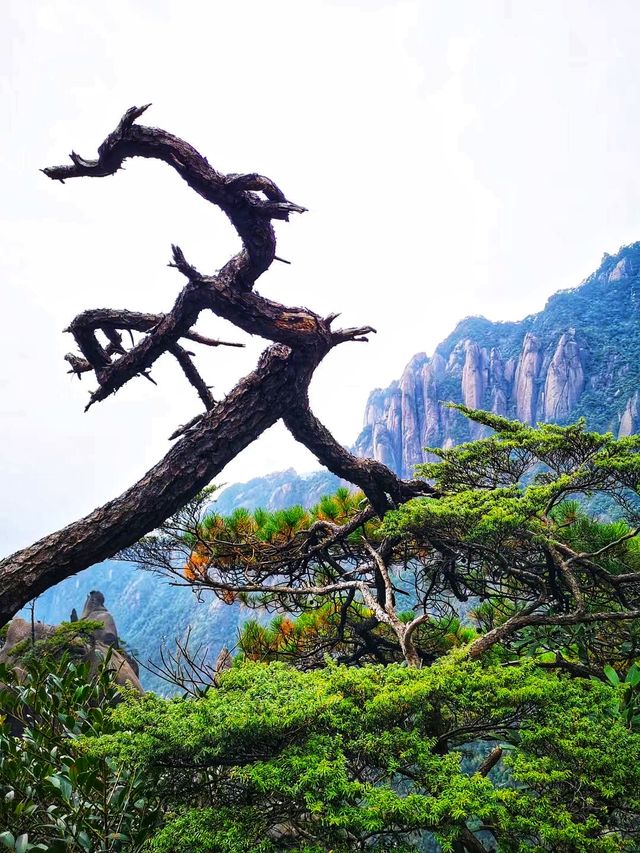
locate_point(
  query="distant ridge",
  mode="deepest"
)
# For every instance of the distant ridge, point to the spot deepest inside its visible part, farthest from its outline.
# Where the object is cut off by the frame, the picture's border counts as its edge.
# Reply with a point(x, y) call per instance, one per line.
point(578, 357)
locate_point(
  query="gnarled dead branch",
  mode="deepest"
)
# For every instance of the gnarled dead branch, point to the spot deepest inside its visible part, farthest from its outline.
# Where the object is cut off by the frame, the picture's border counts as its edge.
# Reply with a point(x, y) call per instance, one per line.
point(276, 389)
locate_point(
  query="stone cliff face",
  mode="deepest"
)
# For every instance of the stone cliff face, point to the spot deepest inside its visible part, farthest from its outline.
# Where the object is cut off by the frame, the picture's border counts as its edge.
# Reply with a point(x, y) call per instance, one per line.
point(544, 382)
point(630, 420)
point(92, 649)
point(578, 357)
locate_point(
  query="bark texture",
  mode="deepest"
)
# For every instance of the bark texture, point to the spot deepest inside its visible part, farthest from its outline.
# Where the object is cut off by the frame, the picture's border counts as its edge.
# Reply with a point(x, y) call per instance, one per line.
point(276, 389)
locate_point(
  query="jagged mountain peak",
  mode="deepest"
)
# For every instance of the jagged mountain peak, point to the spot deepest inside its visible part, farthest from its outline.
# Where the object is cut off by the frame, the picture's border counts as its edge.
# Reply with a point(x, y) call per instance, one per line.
point(577, 357)
point(624, 263)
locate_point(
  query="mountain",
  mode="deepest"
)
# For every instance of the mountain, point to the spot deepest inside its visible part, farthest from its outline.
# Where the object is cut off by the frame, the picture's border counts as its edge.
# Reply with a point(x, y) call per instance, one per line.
point(149, 613)
point(579, 356)
point(277, 491)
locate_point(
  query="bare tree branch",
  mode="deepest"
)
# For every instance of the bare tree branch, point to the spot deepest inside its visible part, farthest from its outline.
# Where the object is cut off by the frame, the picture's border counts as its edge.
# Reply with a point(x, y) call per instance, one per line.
point(188, 368)
point(275, 389)
point(379, 484)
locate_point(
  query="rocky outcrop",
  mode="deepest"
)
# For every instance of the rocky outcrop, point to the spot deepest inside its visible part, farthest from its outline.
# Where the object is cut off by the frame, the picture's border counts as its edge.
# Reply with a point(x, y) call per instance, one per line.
point(474, 375)
point(630, 421)
point(578, 357)
point(543, 382)
point(525, 391)
point(94, 648)
point(95, 611)
point(565, 379)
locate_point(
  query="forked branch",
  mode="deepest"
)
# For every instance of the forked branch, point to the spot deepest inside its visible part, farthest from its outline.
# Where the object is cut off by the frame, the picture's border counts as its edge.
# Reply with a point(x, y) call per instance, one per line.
point(276, 389)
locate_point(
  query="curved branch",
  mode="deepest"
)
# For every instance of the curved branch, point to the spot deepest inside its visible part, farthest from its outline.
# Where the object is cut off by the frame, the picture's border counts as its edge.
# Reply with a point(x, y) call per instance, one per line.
point(383, 488)
point(114, 319)
point(234, 194)
point(229, 293)
point(528, 618)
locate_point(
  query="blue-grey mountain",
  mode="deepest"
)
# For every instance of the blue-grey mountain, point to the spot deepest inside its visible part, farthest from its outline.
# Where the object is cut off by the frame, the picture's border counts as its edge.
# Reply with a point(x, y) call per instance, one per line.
point(579, 357)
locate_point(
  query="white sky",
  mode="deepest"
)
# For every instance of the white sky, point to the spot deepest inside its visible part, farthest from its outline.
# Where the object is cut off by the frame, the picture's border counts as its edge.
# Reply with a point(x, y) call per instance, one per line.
point(456, 157)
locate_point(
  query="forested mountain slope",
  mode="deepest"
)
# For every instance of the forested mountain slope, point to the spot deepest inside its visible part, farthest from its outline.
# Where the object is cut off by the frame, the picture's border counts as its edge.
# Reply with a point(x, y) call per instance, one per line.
point(578, 357)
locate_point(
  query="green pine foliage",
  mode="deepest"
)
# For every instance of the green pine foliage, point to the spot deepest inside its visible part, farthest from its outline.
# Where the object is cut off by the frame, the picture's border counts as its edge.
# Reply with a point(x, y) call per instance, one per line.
point(306, 640)
point(372, 758)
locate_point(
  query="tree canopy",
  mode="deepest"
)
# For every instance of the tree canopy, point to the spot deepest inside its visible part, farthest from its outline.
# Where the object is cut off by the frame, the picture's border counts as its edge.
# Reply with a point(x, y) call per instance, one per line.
point(460, 756)
point(507, 531)
point(458, 674)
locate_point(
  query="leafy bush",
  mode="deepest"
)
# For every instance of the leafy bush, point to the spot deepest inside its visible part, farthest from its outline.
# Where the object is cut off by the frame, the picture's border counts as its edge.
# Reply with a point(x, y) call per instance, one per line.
point(373, 758)
point(52, 795)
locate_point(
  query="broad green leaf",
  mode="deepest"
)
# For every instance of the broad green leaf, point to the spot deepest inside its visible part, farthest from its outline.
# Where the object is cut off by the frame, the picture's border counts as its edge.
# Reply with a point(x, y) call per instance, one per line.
point(8, 839)
point(22, 843)
point(612, 675)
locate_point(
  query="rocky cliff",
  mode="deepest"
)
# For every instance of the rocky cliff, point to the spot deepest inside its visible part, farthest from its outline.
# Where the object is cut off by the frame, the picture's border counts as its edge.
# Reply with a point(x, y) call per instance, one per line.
point(578, 357)
point(149, 613)
point(31, 637)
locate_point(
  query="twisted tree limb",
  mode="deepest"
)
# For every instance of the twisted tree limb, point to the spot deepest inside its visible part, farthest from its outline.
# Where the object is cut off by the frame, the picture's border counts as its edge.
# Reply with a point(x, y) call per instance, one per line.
point(276, 389)
point(379, 483)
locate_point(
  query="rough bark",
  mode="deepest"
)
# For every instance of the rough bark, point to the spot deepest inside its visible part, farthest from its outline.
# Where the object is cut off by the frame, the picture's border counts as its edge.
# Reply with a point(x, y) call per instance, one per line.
point(378, 482)
point(276, 389)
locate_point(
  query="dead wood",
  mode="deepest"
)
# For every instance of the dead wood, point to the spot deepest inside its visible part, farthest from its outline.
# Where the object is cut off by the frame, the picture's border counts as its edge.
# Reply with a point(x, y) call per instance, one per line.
point(276, 389)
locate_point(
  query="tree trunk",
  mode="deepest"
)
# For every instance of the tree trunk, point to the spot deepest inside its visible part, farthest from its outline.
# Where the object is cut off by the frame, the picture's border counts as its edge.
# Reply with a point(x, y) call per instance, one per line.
point(276, 389)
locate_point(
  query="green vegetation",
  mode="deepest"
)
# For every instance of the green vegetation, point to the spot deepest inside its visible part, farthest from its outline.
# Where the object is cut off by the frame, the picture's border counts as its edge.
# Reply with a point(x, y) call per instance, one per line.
point(460, 676)
point(370, 758)
point(69, 639)
point(340, 759)
point(53, 797)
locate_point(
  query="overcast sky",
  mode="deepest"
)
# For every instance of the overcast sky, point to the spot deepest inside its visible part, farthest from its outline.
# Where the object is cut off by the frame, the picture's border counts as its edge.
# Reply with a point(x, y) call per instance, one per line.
point(456, 158)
